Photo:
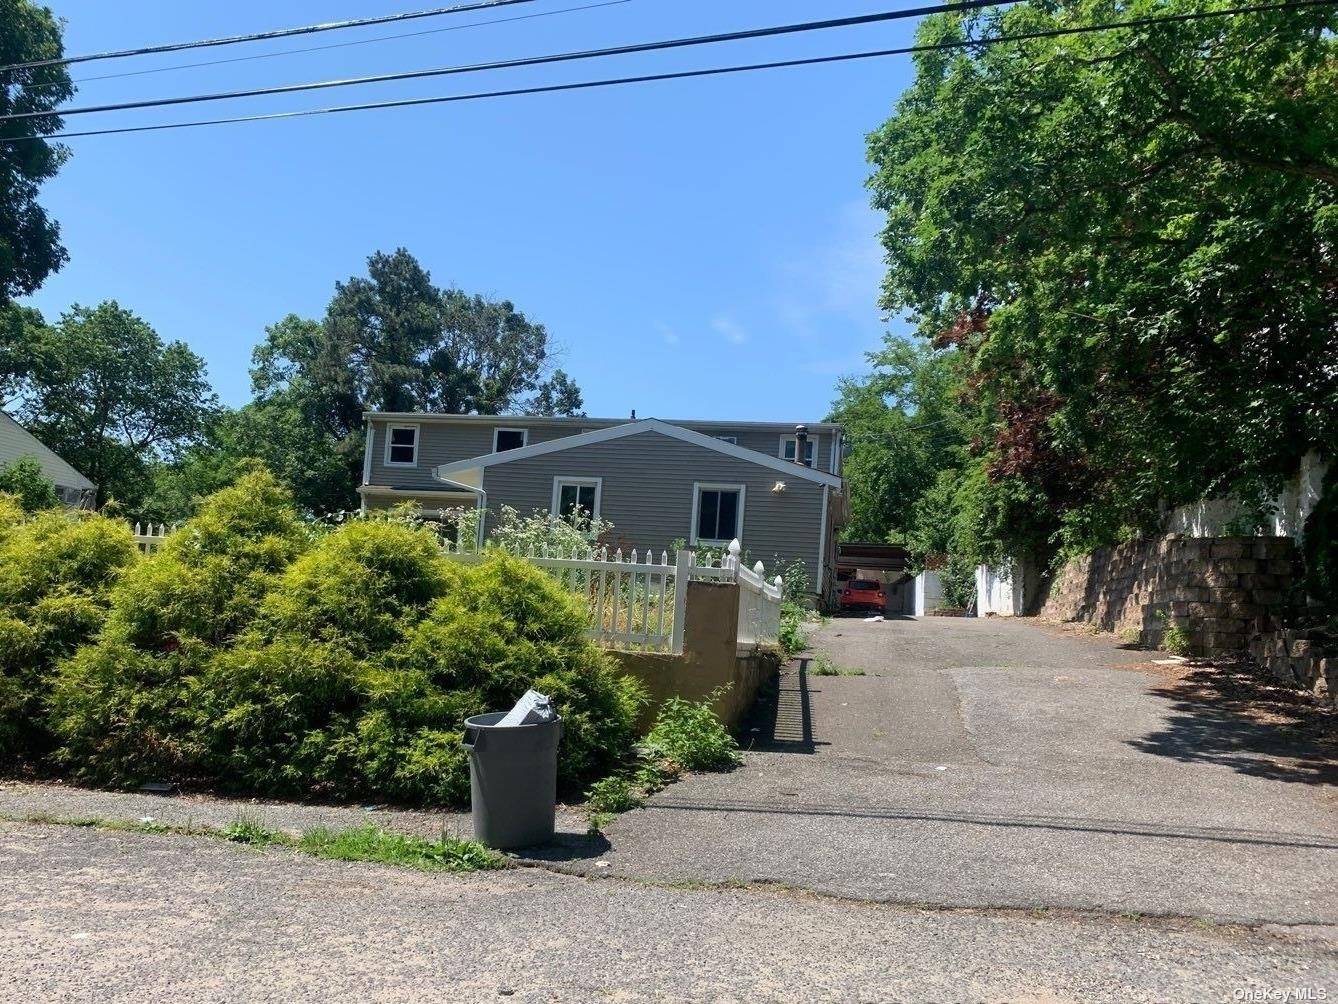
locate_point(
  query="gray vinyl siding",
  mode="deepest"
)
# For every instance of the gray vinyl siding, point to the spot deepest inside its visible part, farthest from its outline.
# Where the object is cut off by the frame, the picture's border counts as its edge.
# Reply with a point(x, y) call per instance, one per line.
point(443, 443)
point(446, 442)
point(647, 494)
point(768, 441)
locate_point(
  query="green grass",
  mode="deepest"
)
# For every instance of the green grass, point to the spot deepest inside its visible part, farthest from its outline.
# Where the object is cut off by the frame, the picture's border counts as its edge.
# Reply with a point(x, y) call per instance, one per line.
point(822, 665)
point(362, 843)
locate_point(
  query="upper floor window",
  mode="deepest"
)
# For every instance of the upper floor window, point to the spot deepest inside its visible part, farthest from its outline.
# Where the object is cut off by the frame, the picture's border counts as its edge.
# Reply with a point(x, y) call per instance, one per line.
point(509, 439)
point(402, 446)
point(789, 444)
point(717, 513)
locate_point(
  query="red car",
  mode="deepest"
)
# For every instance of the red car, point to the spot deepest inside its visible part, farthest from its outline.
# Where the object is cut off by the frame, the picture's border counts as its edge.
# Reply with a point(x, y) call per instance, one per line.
point(863, 593)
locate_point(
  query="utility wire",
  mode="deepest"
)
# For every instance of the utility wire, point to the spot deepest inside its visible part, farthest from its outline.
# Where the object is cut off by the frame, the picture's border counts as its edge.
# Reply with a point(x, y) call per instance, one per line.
point(688, 74)
point(310, 29)
point(336, 45)
point(506, 64)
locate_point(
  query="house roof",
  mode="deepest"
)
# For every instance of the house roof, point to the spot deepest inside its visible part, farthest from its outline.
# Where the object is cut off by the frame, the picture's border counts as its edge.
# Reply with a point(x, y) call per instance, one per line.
point(443, 472)
point(584, 423)
point(16, 442)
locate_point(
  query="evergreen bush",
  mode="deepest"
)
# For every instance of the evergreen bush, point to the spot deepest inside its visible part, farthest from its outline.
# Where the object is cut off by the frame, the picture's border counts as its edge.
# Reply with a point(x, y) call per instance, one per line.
point(57, 569)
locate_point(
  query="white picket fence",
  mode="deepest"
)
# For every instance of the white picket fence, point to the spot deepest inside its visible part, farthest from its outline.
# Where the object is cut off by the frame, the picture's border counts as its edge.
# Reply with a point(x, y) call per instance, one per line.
point(637, 600)
point(149, 538)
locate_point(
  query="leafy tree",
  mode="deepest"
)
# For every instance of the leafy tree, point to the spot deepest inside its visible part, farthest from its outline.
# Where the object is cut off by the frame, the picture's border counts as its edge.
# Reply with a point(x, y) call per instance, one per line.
point(274, 432)
point(107, 394)
point(30, 248)
point(392, 341)
point(558, 396)
point(1129, 237)
point(25, 481)
point(19, 331)
point(903, 424)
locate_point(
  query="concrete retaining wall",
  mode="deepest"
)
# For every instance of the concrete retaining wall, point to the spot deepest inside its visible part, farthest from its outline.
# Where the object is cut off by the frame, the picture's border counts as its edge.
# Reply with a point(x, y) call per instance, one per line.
point(1219, 590)
point(710, 659)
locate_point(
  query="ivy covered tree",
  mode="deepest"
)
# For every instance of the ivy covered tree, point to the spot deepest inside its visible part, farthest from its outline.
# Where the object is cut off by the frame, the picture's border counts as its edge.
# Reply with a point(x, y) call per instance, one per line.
point(1129, 236)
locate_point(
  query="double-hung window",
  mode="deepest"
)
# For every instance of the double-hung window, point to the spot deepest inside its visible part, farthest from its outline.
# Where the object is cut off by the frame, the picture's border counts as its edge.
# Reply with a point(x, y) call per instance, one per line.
point(402, 446)
point(576, 500)
point(717, 513)
point(790, 444)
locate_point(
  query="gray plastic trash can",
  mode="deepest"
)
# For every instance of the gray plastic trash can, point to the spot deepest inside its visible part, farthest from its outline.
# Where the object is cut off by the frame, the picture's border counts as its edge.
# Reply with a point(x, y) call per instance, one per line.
point(512, 780)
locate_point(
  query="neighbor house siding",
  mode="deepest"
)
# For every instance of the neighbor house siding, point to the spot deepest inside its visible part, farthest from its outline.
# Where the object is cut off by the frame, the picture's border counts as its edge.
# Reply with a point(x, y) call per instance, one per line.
point(17, 442)
point(647, 495)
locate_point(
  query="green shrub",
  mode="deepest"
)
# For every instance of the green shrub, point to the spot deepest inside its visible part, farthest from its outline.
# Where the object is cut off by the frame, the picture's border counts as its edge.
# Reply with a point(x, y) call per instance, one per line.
point(506, 626)
point(126, 707)
point(57, 569)
point(612, 795)
point(793, 638)
point(25, 481)
point(1176, 641)
point(691, 736)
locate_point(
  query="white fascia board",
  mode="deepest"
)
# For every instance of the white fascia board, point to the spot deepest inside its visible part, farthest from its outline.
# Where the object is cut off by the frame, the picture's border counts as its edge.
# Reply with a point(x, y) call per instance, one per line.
point(636, 428)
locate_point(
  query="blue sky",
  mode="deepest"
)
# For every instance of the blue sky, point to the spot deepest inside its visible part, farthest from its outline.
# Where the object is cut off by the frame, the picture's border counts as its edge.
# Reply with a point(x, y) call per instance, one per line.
point(696, 248)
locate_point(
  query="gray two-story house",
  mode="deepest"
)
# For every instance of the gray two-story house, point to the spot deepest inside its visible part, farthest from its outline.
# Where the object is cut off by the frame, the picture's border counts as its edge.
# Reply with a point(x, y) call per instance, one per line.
point(776, 488)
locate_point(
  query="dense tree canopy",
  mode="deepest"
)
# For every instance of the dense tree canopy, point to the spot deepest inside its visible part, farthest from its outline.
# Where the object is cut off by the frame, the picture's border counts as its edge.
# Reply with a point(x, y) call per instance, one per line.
point(30, 247)
point(1128, 236)
point(389, 341)
point(106, 393)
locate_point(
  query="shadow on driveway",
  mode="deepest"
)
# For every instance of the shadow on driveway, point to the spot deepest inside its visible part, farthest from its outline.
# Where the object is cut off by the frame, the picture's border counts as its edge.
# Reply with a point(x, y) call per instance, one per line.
point(1124, 828)
point(781, 720)
point(1232, 716)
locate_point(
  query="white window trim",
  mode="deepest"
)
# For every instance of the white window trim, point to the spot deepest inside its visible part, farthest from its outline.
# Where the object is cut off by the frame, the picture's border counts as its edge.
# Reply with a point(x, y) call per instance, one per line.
point(732, 440)
point(561, 480)
point(524, 436)
point(390, 438)
point(812, 441)
point(711, 486)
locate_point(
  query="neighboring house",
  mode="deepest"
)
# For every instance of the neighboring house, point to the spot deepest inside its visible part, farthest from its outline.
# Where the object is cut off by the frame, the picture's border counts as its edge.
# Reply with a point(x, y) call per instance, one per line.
point(15, 442)
point(656, 481)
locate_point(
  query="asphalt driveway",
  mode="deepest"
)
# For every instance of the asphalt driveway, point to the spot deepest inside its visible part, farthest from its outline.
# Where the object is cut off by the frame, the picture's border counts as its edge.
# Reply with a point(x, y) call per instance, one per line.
point(1001, 763)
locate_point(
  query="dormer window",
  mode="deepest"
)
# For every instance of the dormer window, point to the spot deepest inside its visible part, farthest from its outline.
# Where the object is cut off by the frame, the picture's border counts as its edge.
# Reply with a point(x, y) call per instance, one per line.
point(402, 446)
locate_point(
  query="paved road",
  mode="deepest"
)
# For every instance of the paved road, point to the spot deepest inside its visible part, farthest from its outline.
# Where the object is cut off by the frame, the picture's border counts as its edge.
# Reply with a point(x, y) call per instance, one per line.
point(95, 916)
point(993, 763)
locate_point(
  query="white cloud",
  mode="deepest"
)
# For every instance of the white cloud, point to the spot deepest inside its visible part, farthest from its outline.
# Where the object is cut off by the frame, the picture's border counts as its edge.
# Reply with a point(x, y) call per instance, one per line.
point(838, 276)
point(729, 329)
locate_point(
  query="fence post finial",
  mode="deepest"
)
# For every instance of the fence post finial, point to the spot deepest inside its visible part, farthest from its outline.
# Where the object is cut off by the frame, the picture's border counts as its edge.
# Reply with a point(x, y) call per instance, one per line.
point(759, 570)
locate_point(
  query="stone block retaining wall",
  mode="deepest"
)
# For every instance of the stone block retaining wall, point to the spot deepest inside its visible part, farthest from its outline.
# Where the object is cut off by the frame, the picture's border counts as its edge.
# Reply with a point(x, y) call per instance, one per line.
point(1300, 658)
point(1219, 590)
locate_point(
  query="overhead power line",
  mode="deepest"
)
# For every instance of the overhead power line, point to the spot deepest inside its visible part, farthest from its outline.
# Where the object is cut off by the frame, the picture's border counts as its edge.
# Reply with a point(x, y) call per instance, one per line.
point(508, 64)
point(261, 36)
point(341, 45)
point(689, 74)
